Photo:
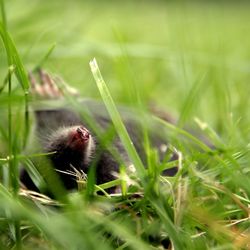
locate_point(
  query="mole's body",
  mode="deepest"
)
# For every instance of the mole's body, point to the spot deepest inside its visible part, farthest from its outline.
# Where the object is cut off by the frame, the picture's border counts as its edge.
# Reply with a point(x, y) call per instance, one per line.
point(81, 141)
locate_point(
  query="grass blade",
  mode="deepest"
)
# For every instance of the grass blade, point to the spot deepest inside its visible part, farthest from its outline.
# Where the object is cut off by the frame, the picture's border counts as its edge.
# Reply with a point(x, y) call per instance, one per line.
point(116, 119)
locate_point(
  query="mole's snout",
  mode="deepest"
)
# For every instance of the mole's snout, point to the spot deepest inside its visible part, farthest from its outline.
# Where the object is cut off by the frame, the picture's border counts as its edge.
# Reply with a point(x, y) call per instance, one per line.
point(83, 133)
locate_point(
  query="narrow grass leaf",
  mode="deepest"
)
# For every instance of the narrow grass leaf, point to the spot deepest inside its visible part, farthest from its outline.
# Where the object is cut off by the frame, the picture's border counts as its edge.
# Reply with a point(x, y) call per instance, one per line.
point(115, 116)
point(45, 58)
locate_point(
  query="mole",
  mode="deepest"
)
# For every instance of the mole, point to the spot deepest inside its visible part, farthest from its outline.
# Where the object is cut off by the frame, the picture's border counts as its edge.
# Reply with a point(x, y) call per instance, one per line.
point(85, 137)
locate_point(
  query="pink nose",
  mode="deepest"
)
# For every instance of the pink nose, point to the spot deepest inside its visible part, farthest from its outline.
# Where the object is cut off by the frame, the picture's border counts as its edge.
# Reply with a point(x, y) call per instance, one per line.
point(83, 132)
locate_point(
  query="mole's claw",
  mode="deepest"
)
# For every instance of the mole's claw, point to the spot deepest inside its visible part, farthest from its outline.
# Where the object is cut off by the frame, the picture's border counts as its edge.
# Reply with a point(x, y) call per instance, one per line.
point(49, 86)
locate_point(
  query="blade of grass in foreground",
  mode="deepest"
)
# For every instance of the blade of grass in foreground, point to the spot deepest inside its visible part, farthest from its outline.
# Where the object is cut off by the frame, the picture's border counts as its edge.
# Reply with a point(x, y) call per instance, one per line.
point(116, 119)
point(15, 66)
point(45, 58)
point(170, 228)
point(121, 130)
point(61, 232)
point(14, 60)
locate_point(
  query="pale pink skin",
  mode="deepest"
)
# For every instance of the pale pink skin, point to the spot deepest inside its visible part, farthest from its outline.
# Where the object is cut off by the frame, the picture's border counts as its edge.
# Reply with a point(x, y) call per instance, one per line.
point(49, 86)
point(78, 138)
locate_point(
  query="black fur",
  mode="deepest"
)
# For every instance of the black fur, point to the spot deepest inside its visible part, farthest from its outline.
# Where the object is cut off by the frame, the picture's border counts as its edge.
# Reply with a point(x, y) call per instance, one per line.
point(106, 163)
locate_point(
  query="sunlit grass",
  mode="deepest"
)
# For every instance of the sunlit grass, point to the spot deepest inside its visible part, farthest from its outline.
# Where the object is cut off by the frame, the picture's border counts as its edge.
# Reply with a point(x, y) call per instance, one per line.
point(189, 59)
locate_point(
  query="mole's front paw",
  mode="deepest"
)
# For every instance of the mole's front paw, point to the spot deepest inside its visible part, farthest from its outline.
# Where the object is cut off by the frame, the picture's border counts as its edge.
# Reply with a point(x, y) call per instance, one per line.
point(46, 86)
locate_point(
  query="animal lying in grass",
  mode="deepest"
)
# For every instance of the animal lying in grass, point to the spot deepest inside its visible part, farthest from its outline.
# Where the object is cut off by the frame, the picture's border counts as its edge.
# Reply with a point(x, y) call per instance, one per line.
point(79, 136)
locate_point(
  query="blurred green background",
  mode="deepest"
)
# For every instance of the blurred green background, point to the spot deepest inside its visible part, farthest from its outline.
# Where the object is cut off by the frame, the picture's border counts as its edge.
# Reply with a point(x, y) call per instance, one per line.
point(188, 57)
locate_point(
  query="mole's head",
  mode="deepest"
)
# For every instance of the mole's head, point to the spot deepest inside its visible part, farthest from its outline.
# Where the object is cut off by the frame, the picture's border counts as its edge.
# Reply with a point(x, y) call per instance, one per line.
point(73, 146)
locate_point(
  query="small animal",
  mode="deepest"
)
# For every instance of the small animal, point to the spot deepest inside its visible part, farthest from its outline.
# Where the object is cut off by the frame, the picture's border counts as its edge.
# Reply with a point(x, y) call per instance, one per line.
point(84, 137)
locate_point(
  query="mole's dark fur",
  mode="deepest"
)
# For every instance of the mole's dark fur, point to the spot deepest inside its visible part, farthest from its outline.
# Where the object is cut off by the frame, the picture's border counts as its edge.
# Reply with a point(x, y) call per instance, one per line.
point(65, 121)
point(79, 144)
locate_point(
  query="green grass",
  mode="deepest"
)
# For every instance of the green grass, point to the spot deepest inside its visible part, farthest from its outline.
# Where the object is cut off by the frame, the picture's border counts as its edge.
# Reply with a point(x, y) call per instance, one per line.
point(191, 59)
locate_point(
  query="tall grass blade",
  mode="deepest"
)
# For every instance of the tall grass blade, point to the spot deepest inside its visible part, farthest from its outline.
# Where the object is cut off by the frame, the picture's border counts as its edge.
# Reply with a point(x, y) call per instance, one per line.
point(114, 114)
